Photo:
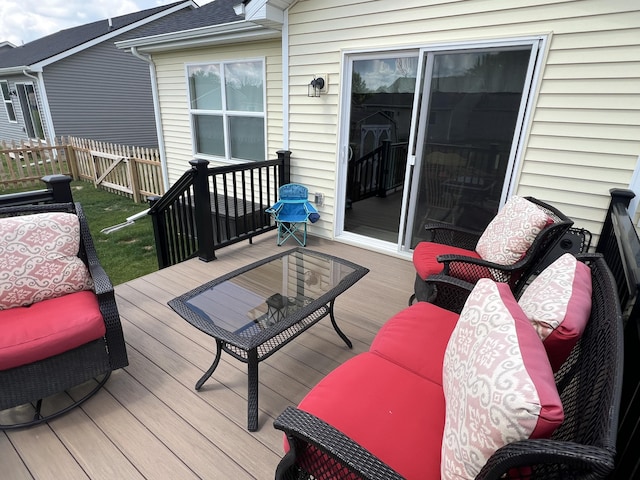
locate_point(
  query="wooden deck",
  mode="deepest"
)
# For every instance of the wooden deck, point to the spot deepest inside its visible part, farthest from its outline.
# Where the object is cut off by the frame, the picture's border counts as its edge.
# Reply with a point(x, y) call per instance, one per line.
point(149, 422)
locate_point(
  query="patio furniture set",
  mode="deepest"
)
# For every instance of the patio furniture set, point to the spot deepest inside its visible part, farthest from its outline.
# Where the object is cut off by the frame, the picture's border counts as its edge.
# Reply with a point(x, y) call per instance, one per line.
point(458, 385)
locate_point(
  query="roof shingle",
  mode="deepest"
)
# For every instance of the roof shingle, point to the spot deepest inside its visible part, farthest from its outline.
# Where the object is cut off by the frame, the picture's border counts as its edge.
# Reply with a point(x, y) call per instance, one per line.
point(64, 40)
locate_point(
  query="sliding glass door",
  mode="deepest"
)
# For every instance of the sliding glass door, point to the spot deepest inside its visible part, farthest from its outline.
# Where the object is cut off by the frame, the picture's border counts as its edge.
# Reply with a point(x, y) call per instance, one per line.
point(432, 135)
point(380, 106)
point(472, 105)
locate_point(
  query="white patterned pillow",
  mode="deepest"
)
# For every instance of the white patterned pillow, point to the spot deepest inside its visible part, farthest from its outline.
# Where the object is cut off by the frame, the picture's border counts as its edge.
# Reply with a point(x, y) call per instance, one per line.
point(38, 258)
point(498, 384)
point(512, 231)
point(558, 304)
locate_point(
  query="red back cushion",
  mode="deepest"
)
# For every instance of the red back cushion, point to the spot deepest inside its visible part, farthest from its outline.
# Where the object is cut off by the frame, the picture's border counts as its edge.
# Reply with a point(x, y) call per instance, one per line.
point(38, 258)
point(416, 339)
point(558, 304)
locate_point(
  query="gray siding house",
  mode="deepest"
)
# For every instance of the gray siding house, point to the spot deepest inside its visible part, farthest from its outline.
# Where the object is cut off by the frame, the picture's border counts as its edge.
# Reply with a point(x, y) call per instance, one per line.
point(76, 82)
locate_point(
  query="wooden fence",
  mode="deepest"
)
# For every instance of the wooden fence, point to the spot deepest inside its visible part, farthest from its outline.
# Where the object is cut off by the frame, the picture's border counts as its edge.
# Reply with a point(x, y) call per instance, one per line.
point(125, 170)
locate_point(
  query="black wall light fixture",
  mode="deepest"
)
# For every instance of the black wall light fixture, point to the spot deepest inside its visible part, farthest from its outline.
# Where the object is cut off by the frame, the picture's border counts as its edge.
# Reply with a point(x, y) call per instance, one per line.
point(316, 85)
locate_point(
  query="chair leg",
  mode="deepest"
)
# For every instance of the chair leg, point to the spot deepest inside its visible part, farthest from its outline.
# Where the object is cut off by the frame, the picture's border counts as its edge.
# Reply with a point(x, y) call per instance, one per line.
point(280, 240)
point(285, 232)
point(422, 291)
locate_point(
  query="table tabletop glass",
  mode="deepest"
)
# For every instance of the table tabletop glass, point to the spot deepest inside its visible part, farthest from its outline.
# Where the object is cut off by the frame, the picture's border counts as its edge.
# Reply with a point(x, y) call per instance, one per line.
point(260, 295)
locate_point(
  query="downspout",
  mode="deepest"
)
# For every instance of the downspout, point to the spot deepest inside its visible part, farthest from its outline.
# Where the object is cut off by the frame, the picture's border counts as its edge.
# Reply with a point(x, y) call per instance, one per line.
point(156, 111)
point(285, 80)
point(285, 76)
point(48, 119)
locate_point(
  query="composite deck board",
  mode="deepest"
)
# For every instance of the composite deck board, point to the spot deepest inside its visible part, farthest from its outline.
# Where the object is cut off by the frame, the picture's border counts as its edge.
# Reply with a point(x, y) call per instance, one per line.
point(148, 422)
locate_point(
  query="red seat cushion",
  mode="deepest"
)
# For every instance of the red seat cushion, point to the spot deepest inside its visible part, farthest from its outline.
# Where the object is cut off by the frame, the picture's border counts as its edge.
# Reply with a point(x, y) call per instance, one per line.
point(425, 257)
point(416, 339)
point(394, 414)
point(47, 328)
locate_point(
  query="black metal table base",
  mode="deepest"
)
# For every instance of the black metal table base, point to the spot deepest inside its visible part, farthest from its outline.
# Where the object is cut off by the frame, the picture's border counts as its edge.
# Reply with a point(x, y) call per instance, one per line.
point(252, 361)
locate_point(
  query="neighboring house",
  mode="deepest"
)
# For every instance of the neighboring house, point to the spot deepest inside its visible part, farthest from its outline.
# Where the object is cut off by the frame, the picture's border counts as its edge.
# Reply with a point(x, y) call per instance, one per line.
point(6, 46)
point(76, 82)
point(480, 100)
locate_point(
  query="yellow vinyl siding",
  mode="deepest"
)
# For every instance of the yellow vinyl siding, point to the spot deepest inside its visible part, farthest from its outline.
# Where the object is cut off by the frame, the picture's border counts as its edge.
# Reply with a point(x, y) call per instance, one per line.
point(173, 96)
point(583, 132)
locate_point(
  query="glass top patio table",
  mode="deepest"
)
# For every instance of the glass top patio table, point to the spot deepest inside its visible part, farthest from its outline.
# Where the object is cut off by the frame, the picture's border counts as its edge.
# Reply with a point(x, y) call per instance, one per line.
point(255, 310)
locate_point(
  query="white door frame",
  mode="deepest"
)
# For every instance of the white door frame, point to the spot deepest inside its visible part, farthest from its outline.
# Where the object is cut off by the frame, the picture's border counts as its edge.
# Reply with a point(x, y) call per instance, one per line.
point(538, 43)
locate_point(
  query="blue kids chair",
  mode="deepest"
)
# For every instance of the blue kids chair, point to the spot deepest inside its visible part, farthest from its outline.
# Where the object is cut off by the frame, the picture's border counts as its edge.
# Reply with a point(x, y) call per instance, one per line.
point(292, 212)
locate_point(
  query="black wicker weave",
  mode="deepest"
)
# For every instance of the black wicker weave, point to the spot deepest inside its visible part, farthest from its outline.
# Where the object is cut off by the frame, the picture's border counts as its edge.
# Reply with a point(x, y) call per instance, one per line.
point(583, 447)
point(34, 382)
point(470, 267)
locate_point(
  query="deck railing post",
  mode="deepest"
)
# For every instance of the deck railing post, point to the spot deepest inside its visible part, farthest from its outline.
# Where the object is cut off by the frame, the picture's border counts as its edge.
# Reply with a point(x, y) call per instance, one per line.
point(285, 169)
point(383, 168)
point(620, 252)
point(202, 200)
point(59, 187)
point(160, 235)
point(618, 195)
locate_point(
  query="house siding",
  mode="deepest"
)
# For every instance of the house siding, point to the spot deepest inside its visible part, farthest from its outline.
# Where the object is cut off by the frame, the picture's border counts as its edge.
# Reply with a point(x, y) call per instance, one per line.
point(174, 99)
point(87, 98)
point(583, 133)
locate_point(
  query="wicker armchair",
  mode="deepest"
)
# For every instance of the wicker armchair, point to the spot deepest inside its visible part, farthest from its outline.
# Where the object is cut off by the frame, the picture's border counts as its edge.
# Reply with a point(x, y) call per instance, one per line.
point(469, 266)
point(583, 447)
point(34, 382)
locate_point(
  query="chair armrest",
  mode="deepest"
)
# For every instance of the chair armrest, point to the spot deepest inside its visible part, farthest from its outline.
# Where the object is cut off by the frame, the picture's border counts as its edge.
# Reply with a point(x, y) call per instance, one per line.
point(100, 278)
point(275, 208)
point(308, 435)
point(309, 208)
point(448, 234)
point(104, 290)
point(450, 293)
point(577, 460)
point(469, 267)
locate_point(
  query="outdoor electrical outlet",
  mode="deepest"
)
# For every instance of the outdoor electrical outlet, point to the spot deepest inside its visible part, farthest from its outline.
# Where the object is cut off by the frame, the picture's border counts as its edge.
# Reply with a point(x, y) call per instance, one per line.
point(319, 199)
point(325, 77)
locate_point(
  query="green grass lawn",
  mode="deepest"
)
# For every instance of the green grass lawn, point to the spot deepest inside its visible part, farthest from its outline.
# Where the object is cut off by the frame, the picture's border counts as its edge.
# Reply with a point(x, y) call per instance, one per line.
point(127, 253)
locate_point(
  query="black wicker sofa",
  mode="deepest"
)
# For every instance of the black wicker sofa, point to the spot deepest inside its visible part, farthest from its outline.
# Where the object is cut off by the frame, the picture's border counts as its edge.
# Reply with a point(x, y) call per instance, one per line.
point(59, 323)
point(380, 415)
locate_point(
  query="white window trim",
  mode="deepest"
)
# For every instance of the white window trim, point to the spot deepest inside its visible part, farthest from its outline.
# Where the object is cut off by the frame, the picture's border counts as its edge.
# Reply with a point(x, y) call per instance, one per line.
point(9, 101)
point(226, 113)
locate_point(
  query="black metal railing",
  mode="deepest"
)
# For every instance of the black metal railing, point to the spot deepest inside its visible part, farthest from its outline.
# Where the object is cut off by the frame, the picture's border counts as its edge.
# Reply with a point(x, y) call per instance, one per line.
point(210, 208)
point(383, 169)
point(377, 172)
point(620, 246)
point(58, 191)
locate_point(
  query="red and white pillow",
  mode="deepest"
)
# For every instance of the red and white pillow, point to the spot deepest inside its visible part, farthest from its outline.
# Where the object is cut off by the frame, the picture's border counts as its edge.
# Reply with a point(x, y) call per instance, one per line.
point(512, 231)
point(38, 258)
point(558, 304)
point(498, 384)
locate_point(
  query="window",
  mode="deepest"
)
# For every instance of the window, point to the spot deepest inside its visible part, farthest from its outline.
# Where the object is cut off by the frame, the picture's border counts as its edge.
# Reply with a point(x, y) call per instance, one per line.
point(8, 103)
point(226, 102)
